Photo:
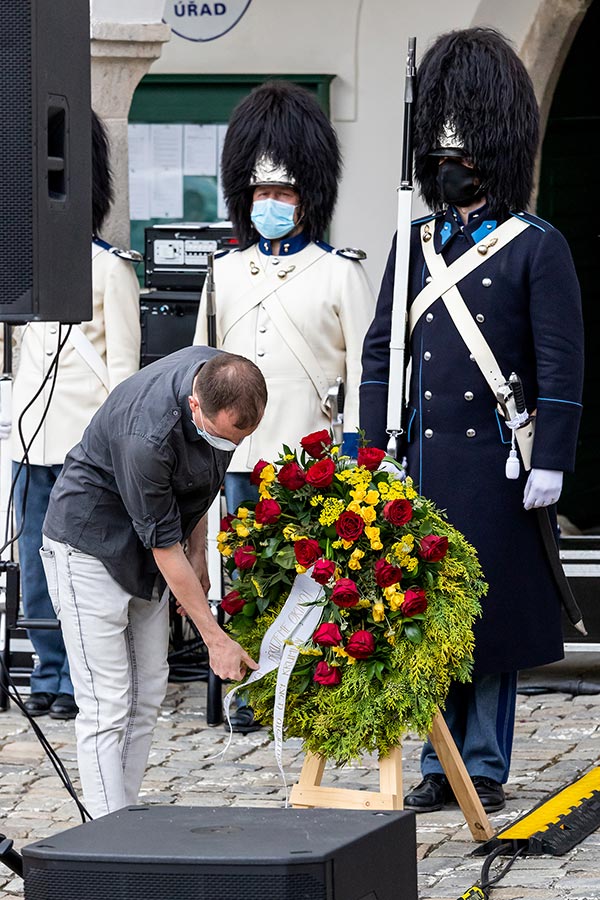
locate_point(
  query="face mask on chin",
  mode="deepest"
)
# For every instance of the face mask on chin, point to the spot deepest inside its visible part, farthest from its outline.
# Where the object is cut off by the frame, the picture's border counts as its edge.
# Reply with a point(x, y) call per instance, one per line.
point(272, 218)
point(219, 443)
point(457, 185)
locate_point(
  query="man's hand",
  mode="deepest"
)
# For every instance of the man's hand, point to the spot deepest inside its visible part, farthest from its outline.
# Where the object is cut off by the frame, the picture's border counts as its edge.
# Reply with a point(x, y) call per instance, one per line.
point(543, 488)
point(228, 659)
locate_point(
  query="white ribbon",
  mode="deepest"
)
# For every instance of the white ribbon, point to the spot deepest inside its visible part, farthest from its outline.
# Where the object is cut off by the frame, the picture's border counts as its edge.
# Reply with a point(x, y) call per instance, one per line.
point(294, 625)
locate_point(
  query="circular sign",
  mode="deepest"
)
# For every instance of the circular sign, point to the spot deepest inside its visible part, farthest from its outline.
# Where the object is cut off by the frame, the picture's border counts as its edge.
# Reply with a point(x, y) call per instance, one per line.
point(203, 21)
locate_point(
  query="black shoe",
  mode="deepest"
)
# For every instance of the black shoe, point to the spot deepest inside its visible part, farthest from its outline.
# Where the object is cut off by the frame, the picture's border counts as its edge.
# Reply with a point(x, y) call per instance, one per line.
point(490, 792)
point(243, 721)
point(39, 702)
point(430, 795)
point(64, 707)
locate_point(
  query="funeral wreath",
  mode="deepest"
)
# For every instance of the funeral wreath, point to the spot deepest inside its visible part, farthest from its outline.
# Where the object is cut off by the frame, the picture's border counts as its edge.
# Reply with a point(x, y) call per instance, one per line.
point(398, 588)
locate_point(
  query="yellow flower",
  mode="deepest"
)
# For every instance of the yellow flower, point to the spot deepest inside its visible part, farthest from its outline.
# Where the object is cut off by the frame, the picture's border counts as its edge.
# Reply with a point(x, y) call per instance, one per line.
point(258, 588)
point(241, 530)
point(337, 544)
point(339, 651)
point(334, 451)
point(346, 544)
point(258, 525)
point(355, 557)
point(225, 551)
point(354, 506)
point(332, 508)
point(242, 513)
point(288, 532)
point(372, 498)
point(396, 491)
point(222, 537)
point(368, 513)
point(358, 494)
point(314, 501)
point(288, 457)
point(378, 612)
point(268, 474)
point(350, 660)
point(409, 491)
point(390, 637)
point(396, 600)
point(372, 532)
point(363, 603)
point(300, 569)
point(264, 492)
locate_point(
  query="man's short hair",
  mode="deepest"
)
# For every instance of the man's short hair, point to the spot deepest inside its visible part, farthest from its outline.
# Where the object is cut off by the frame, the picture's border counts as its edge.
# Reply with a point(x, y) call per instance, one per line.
point(230, 382)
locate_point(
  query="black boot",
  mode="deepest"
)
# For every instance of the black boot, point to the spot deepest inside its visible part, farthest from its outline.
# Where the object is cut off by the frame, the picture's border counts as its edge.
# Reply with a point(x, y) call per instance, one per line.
point(430, 795)
point(491, 793)
point(39, 702)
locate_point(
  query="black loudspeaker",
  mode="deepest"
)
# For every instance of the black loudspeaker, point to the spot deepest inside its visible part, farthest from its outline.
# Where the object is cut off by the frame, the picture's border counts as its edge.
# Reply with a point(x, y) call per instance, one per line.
point(45, 161)
point(185, 853)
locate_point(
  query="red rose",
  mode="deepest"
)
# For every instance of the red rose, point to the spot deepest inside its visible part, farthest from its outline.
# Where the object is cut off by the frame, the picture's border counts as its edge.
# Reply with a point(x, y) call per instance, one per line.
point(326, 674)
point(313, 443)
point(415, 601)
point(226, 522)
point(307, 551)
point(386, 574)
point(433, 548)
point(321, 473)
point(266, 512)
point(255, 474)
point(327, 635)
point(245, 557)
point(345, 593)
point(323, 570)
point(361, 645)
point(291, 476)
point(398, 512)
point(349, 526)
point(370, 457)
point(232, 603)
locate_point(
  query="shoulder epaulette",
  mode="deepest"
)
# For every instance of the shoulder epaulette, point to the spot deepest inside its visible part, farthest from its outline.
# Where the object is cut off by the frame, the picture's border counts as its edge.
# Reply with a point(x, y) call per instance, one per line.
point(346, 252)
point(534, 220)
point(221, 253)
point(131, 255)
point(428, 218)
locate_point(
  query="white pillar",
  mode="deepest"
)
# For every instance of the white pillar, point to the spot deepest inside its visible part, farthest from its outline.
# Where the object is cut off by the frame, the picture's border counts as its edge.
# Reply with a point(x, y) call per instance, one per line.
point(122, 52)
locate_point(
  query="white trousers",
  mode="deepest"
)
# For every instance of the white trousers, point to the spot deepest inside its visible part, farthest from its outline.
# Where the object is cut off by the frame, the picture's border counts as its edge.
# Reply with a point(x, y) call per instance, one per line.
point(117, 649)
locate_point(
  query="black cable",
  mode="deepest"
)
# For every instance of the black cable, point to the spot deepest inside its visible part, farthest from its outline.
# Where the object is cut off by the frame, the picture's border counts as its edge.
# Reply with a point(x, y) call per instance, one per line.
point(13, 693)
point(52, 371)
point(489, 860)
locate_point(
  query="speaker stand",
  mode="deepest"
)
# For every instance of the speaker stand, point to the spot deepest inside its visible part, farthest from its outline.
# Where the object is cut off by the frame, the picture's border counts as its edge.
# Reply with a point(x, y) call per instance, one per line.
point(309, 792)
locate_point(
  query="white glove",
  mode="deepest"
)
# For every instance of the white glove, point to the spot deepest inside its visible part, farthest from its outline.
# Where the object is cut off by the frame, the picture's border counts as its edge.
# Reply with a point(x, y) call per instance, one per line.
point(5, 428)
point(543, 488)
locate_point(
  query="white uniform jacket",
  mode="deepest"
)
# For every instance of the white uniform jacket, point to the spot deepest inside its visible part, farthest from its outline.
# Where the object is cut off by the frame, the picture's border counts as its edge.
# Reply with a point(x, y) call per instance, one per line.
point(114, 333)
point(311, 289)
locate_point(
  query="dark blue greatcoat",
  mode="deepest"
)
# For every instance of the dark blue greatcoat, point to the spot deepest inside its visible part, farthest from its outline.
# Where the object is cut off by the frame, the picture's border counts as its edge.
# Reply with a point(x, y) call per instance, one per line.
point(526, 300)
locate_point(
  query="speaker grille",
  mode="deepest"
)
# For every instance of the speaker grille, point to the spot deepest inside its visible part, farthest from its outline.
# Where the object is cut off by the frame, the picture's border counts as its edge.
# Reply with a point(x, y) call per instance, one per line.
point(104, 885)
point(16, 187)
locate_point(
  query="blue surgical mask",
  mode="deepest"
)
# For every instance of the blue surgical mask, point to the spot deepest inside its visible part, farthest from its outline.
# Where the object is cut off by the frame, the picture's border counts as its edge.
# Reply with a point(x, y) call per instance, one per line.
point(272, 218)
point(219, 443)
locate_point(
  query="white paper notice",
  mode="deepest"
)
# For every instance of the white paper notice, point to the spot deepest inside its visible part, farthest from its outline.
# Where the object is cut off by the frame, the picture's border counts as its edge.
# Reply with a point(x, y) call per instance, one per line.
point(167, 195)
point(199, 149)
point(167, 146)
point(139, 195)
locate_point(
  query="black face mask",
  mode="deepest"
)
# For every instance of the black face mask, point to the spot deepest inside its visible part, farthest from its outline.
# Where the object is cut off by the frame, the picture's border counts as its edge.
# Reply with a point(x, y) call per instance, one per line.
point(457, 183)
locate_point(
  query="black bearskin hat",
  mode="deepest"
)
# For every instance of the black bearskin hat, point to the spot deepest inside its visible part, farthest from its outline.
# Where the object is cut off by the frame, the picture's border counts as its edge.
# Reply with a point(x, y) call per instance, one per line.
point(102, 188)
point(472, 84)
point(283, 123)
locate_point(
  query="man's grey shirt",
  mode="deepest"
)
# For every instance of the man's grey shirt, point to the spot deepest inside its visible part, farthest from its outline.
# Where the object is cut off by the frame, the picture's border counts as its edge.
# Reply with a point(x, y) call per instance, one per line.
point(141, 476)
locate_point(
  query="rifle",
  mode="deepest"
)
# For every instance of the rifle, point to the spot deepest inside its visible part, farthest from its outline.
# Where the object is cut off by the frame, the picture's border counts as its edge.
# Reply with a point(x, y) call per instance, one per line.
point(400, 299)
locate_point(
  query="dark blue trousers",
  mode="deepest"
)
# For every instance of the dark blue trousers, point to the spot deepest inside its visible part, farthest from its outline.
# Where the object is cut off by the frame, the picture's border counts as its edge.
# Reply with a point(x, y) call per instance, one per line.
point(51, 672)
point(481, 719)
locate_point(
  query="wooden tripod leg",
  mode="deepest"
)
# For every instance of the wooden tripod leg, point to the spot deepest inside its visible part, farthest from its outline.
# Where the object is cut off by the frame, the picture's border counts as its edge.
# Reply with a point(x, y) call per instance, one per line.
point(460, 781)
point(311, 774)
point(390, 776)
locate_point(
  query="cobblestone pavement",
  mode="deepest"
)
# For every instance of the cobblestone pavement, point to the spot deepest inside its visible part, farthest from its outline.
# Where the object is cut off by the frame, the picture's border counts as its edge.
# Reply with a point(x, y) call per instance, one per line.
point(557, 739)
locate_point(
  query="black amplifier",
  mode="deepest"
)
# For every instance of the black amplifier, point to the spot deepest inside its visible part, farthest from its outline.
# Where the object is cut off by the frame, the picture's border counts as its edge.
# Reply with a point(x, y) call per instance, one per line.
point(176, 255)
point(168, 320)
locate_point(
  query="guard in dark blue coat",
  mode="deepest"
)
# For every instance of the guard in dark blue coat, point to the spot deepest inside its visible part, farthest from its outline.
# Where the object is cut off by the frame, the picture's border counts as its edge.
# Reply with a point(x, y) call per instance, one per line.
point(510, 304)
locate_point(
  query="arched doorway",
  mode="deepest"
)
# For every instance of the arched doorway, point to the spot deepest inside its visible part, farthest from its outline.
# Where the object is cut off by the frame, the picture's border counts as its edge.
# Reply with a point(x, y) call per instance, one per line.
point(569, 197)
